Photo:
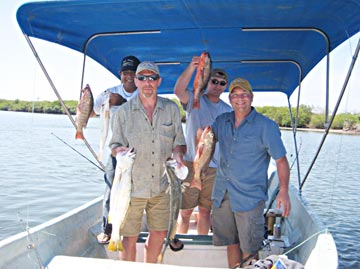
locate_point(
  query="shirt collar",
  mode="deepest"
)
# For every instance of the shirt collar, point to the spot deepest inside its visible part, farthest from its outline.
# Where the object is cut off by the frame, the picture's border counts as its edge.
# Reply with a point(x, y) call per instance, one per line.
point(249, 118)
point(160, 103)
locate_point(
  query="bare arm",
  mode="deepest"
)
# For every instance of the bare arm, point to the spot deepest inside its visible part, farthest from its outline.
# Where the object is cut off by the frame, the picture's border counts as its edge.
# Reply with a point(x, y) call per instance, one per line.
point(178, 154)
point(182, 82)
point(283, 199)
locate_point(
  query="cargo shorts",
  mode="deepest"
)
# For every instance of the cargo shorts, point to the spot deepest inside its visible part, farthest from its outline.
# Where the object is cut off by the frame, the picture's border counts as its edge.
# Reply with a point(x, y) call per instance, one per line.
point(193, 197)
point(244, 228)
point(157, 214)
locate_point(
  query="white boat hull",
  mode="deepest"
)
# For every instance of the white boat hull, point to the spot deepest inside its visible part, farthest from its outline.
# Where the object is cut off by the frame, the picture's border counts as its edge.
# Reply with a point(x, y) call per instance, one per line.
point(69, 241)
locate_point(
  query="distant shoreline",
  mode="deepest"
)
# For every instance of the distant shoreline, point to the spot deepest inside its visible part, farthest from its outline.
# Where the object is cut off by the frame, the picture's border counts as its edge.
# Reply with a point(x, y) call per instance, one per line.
point(335, 131)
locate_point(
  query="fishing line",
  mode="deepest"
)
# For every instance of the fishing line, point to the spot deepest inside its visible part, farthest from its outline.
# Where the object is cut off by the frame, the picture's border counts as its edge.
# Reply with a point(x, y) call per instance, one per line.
point(31, 245)
point(340, 146)
point(102, 169)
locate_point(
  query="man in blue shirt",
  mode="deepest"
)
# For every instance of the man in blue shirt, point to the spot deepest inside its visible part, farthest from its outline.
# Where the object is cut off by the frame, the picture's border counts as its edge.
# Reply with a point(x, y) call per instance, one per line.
point(247, 141)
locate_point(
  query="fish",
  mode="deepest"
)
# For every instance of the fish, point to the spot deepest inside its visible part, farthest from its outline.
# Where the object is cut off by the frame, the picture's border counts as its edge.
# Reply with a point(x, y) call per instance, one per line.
point(120, 195)
point(105, 122)
point(84, 110)
point(174, 190)
point(204, 152)
point(201, 78)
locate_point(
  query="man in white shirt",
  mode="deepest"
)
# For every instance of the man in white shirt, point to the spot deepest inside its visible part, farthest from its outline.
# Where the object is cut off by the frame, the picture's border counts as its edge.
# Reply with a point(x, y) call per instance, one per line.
point(119, 94)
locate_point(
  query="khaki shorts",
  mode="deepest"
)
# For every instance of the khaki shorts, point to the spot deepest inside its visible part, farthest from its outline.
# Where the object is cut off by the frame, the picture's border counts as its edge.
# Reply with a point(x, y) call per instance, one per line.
point(246, 228)
point(157, 214)
point(193, 197)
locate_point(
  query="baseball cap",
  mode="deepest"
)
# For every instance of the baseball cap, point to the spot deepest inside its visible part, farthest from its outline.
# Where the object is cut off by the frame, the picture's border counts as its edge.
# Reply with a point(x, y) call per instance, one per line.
point(150, 66)
point(219, 73)
point(129, 63)
point(240, 82)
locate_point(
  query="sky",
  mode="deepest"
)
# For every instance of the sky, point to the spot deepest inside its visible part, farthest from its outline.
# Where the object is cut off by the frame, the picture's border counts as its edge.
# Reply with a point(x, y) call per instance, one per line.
point(23, 79)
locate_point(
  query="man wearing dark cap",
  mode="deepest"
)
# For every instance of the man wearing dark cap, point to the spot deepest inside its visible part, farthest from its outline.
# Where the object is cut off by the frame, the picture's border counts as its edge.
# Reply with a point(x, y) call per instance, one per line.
point(116, 96)
point(210, 107)
point(123, 92)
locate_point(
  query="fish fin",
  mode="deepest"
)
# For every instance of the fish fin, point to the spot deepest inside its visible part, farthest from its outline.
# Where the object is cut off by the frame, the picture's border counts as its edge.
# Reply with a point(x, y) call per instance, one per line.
point(160, 258)
point(184, 186)
point(168, 190)
point(79, 135)
point(112, 246)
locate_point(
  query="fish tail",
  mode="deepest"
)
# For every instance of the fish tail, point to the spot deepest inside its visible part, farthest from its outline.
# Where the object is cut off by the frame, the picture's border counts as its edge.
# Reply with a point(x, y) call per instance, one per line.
point(116, 245)
point(160, 258)
point(79, 135)
point(161, 255)
point(112, 246)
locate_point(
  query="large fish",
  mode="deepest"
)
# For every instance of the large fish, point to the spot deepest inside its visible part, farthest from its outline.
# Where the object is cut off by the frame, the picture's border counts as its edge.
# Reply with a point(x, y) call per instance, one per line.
point(84, 109)
point(175, 202)
point(204, 152)
point(105, 121)
point(201, 78)
point(120, 197)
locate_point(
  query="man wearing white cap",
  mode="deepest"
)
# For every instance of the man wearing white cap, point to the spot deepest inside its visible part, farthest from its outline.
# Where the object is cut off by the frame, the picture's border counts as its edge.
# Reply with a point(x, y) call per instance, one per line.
point(152, 126)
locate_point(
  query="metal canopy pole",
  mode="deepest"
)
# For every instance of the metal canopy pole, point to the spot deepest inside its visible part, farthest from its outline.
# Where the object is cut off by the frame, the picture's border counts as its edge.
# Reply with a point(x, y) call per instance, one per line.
point(59, 98)
point(335, 110)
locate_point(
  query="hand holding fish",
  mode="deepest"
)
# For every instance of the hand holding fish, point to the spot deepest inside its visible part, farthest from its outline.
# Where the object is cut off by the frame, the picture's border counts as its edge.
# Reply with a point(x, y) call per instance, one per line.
point(181, 170)
point(116, 99)
point(201, 78)
point(204, 152)
point(123, 149)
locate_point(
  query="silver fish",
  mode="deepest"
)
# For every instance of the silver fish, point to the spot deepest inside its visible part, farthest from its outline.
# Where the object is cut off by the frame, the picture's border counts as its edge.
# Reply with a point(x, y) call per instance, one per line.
point(105, 122)
point(120, 197)
point(175, 202)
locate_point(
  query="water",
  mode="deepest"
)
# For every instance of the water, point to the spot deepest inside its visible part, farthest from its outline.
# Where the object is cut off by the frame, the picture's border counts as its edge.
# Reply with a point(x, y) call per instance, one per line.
point(41, 177)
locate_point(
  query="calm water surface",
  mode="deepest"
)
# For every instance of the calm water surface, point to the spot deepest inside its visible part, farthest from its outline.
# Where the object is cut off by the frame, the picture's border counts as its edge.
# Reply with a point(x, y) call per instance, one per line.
point(41, 177)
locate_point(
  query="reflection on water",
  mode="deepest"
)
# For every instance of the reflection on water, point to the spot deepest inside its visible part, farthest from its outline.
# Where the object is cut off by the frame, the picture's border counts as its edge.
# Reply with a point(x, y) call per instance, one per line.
point(41, 177)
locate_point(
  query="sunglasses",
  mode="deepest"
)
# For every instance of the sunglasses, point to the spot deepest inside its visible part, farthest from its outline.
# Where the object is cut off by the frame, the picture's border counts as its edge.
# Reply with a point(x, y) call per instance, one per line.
point(216, 82)
point(240, 95)
point(151, 77)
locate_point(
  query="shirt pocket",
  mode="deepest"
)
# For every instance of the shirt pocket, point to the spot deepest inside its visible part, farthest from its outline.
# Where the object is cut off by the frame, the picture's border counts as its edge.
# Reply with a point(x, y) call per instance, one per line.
point(167, 131)
point(166, 134)
point(249, 144)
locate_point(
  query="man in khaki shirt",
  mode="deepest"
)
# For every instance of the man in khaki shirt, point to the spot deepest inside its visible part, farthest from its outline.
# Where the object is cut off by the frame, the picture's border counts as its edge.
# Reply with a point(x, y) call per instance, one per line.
point(152, 126)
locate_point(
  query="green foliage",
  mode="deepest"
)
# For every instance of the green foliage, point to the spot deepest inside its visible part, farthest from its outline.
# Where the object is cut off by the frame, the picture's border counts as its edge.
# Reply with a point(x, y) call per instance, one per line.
point(182, 112)
point(281, 115)
point(317, 121)
point(345, 121)
point(37, 106)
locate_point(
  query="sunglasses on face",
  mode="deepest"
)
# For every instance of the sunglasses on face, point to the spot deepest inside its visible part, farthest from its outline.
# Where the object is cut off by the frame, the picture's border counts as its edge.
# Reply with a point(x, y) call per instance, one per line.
point(150, 77)
point(239, 95)
point(216, 82)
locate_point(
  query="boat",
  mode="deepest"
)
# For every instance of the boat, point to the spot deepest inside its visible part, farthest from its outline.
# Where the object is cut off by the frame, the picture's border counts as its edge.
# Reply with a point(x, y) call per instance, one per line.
point(274, 44)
